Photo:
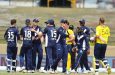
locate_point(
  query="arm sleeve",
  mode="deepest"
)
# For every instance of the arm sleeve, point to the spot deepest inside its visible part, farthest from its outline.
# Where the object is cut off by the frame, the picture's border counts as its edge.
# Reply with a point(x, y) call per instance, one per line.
point(45, 31)
point(5, 35)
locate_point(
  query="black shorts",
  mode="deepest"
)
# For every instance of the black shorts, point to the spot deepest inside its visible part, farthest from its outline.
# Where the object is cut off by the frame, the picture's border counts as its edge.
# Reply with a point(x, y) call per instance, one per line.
point(99, 51)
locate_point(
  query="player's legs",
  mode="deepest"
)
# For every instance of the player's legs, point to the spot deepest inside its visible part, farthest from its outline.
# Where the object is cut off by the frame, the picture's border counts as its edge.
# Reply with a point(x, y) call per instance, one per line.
point(40, 56)
point(59, 52)
point(97, 56)
point(29, 58)
point(72, 60)
point(64, 57)
point(21, 55)
point(14, 58)
point(49, 55)
point(54, 53)
point(80, 52)
point(34, 50)
point(105, 62)
point(47, 62)
point(81, 63)
point(9, 58)
point(69, 47)
point(85, 59)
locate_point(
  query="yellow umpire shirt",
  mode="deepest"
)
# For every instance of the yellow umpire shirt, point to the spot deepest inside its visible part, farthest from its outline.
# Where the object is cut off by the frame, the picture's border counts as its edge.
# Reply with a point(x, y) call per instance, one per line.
point(69, 32)
point(104, 32)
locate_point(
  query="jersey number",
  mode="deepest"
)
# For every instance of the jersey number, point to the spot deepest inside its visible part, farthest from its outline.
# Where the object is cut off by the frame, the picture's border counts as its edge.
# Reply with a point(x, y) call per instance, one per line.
point(53, 34)
point(10, 35)
point(27, 34)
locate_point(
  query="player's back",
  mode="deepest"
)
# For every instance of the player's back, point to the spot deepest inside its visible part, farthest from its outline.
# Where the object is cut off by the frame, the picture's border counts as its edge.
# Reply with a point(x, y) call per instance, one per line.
point(86, 30)
point(11, 35)
point(50, 35)
point(61, 36)
point(104, 32)
point(27, 35)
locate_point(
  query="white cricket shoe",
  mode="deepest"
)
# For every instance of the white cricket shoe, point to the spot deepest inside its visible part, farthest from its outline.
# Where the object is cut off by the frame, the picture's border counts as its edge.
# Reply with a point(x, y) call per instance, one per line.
point(73, 71)
point(21, 69)
point(96, 73)
point(51, 71)
point(43, 71)
point(33, 71)
point(29, 71)
point(24, 71)
point(67, 72)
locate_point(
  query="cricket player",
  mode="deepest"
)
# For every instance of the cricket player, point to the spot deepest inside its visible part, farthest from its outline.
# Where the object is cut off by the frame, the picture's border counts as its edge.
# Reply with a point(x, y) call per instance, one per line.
point(69, 41)
point(37, 46)
point(82, 45)
point(26, 49)
point(102, 35)
point(11, 35)
point(61, 47)
point(50, 33)
point(84, 58)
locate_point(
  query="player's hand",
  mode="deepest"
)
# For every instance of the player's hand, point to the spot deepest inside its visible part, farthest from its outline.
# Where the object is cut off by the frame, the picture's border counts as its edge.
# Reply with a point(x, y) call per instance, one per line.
point(33, 30)
point(88, 52)
point(74, 49)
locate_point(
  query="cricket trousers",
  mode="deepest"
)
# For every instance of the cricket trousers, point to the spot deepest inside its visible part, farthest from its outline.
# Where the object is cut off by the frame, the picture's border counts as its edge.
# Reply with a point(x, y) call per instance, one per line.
point(62, 53)
point(37, 49)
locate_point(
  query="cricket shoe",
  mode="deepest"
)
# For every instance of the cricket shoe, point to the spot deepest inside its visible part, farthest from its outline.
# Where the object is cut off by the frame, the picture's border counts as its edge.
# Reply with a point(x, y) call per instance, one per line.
point(68, 72)
point(25, 71)
point(96, 73)
point(29, 71)
point(51, 71)
point(33, 71)
point(40, 70)
point(21, 69)
point(73, 71)
point(43, 71)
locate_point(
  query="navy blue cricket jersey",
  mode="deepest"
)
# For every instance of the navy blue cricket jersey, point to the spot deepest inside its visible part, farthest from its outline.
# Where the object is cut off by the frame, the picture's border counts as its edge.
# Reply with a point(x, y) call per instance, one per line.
point(11, 35)
point(38, 29)
point(50, 35)
point(82, 41)
point(86, 31)
point(27, 36)
point(61, 36)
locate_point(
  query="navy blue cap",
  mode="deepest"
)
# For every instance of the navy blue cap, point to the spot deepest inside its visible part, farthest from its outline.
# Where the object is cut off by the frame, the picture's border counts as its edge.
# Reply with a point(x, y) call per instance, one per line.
point(50, 21)
point(27, 20)
point(62, 21)
point(82, 21)
point(35, 20)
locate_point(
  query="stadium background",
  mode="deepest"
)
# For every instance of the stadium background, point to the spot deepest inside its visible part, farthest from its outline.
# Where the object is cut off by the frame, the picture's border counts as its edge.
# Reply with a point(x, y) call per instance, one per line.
point(91, 10)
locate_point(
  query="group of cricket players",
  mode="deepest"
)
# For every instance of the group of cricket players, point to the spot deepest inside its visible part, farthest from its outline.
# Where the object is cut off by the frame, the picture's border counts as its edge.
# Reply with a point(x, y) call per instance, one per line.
point(67, 43)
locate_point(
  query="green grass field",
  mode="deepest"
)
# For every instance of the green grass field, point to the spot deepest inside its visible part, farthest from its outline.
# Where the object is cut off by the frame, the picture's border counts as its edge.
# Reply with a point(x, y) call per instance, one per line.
point(37, 73)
